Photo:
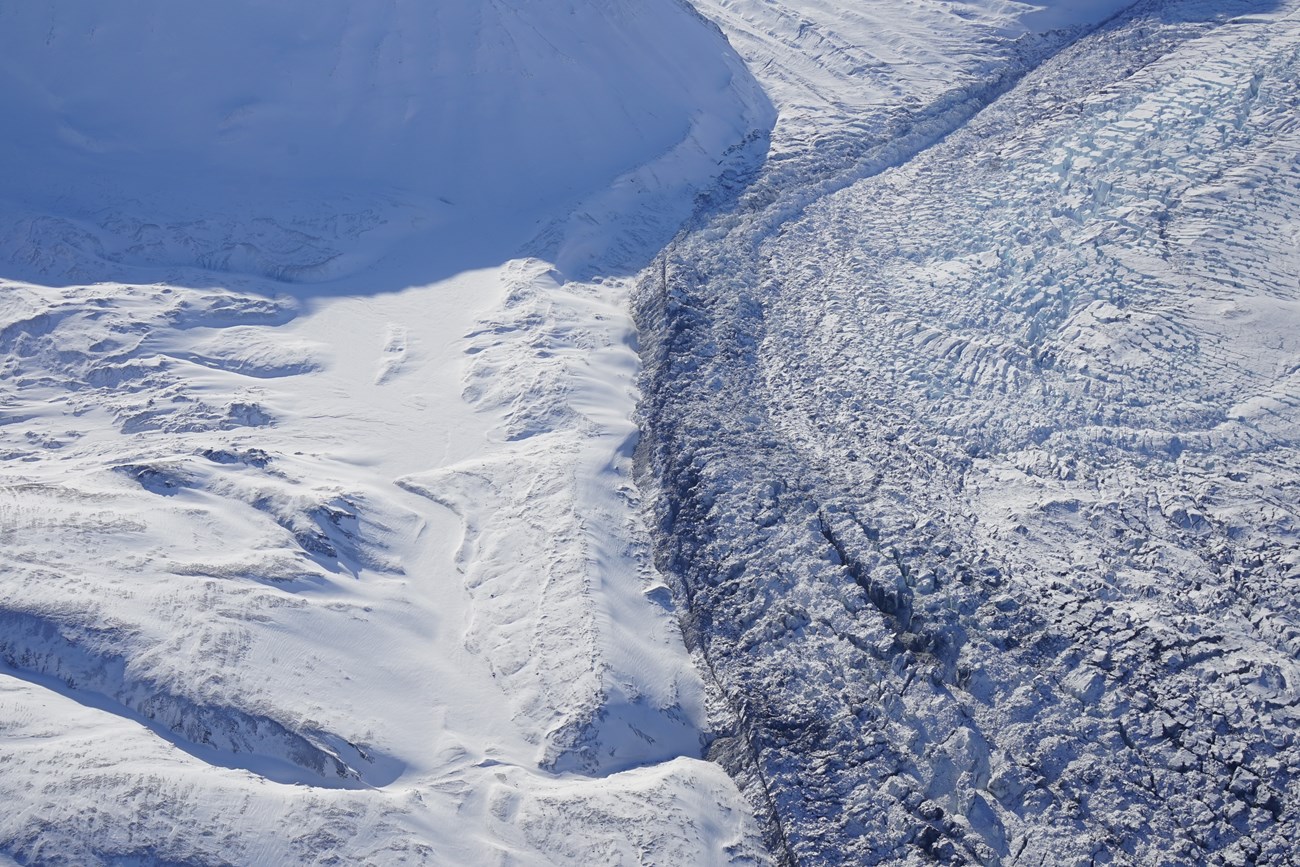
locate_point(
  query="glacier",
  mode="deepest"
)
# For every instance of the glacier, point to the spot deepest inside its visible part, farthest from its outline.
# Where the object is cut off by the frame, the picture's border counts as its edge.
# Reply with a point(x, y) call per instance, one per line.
point(735, 432)
point(971, 439)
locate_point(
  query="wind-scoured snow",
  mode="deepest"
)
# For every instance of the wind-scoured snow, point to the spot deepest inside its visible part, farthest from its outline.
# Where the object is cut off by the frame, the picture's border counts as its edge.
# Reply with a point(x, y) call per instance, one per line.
point(321, 542)
point(972, 421)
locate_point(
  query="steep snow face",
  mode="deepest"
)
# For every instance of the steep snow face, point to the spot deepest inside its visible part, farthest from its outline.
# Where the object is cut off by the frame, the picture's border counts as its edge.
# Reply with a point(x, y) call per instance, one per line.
point(258, 123)
point(321, 542)
point(977, 438)
point(485, 104)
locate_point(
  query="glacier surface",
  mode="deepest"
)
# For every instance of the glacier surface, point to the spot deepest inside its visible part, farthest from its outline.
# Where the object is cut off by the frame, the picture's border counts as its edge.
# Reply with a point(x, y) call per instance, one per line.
point(971, 434)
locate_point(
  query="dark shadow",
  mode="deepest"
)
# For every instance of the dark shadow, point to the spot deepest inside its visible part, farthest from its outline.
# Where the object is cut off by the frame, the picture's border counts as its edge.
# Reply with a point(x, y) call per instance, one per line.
point(366, 154)
point(269, 251)
point(321, 247)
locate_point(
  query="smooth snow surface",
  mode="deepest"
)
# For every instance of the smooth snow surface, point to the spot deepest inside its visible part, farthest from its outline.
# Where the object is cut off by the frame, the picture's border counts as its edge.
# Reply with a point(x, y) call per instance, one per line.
point(321, 543)
point(303, 140)
point(972, 427)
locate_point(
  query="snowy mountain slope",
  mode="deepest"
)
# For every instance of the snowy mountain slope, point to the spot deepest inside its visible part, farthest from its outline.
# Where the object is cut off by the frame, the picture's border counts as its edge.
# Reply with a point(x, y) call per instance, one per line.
point(261, 139)
point(975, 446)
point(969, 433)
point(321, 542)
point(832, 67)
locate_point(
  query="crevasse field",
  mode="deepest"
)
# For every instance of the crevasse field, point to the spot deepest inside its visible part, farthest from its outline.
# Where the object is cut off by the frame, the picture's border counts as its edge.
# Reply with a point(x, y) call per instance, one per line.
point(595, 432)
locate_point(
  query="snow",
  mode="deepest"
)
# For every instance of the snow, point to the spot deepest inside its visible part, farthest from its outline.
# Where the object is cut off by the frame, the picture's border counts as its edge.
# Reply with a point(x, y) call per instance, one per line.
point(970, 423)
point(318, 378)
point(387, 479)
point(837, 69)
point(491, 107)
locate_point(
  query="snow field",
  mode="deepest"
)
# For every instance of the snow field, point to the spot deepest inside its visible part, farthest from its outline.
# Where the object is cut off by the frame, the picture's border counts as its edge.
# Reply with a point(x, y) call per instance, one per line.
point(322, 540)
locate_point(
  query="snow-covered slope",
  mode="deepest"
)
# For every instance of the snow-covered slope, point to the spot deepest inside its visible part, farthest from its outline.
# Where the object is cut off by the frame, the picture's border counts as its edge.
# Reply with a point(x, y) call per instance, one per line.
point(300, 141)
point(969, 432)
point(974, 426)
point(834, 67)
point(320, 539)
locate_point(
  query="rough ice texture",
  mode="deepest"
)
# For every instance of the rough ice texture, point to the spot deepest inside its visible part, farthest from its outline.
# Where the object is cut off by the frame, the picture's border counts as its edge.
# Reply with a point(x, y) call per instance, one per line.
point(973, 423)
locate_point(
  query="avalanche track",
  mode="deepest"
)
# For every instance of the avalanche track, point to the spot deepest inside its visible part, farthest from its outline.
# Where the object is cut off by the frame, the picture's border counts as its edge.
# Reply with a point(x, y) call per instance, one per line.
point(971, 429)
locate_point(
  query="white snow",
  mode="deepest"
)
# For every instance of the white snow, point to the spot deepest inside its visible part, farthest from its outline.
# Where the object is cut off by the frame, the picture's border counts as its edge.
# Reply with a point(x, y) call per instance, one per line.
point(830, 64)
point(317, 387)
point(969, 431)
point(489, 107)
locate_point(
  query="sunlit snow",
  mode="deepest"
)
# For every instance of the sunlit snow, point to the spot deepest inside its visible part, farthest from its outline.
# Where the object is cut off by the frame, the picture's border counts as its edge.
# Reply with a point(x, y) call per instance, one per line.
point(580, 432)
